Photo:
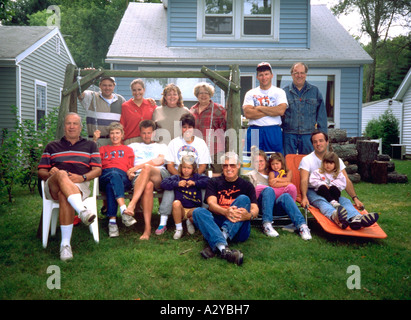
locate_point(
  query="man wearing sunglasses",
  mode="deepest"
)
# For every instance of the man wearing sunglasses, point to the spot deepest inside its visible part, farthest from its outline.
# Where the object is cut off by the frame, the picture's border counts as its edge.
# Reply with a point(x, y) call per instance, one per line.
point(232, 205)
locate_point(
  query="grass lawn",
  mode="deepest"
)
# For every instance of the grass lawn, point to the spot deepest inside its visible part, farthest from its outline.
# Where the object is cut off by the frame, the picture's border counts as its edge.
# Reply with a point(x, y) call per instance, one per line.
point(286, 267)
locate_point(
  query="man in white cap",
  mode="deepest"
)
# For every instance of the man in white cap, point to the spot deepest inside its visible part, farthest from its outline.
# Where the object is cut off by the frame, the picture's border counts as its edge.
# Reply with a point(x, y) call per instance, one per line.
point(264, 106)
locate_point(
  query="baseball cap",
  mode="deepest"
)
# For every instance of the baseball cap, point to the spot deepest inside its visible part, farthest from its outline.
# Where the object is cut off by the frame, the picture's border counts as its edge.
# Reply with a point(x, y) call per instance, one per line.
point(264, 66)
point(108, 78)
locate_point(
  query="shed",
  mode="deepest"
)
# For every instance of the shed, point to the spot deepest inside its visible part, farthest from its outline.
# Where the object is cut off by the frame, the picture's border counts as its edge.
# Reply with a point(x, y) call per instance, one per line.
point(33, 62)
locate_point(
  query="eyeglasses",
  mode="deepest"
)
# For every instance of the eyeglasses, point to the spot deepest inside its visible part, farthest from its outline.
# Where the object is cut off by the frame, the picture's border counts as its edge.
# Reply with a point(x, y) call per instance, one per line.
point(299, 73)
point(231, 165)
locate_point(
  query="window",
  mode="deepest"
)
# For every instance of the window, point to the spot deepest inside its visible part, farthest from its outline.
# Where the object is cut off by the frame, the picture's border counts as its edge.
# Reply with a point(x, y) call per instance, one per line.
point(328, 82)
point(41, 101)
point(250, 20)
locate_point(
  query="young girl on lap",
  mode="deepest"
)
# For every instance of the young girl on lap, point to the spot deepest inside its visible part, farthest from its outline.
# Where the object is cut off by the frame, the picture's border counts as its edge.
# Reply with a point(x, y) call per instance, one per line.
point(280, 177)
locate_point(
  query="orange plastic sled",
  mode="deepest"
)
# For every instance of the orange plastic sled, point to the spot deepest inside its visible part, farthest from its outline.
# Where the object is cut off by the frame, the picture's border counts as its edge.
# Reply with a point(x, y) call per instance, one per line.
point(375, 231)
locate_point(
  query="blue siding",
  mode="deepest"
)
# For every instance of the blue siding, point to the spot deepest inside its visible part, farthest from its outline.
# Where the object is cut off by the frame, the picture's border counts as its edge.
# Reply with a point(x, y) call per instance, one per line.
point(294, 26)
point(351, 100)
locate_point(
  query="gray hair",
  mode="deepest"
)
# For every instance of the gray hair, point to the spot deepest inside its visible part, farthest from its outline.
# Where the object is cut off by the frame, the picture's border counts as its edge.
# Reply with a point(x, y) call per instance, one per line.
point(205, 85)
point(74, 114)
point(116, 126)
point(230, 155)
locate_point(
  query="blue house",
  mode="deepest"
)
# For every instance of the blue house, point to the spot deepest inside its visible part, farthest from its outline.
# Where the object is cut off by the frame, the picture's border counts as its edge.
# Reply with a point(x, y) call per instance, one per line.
point(188, 34)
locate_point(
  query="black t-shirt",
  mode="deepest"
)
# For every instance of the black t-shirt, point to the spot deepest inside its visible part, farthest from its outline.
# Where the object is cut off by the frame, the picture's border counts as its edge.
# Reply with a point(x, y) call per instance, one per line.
point(226, 192)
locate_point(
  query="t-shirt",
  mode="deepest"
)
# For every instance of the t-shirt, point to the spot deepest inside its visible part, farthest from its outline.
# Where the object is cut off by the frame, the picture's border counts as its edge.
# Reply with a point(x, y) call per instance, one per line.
point(168, 122)
point(311, 163)
point(178, 148)
point(145, 152)
point(226, 192)
point(132, 115)
point(121, 157)
point(76, 158)
point(317, 179)
point(271, 97)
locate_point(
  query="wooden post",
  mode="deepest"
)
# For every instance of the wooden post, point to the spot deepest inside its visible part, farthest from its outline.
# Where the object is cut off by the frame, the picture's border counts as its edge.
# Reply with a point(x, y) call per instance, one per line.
point(67, 103)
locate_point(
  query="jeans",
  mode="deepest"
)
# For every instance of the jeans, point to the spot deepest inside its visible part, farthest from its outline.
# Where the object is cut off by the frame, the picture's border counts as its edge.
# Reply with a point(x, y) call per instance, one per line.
point(297, 142)
point(283, 205)
point(209, 224)
point(114, 182)
point(326, 208)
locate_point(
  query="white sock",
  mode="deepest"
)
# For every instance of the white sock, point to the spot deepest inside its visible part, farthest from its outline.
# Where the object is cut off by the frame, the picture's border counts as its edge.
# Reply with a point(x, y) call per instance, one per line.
point(163, 220)
point(179, 226)
point(76, 202)
point(113, 220)
point(66, 232)
point(220, 247)
point(225, 234)
point(122, 208)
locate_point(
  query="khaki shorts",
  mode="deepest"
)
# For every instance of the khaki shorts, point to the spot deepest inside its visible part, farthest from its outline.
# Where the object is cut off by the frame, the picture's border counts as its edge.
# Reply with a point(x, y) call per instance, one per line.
point(84, 188)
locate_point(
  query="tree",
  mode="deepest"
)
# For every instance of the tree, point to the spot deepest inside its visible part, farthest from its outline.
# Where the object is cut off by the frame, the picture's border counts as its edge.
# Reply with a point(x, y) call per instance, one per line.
point(377, 18)
point(393, 63)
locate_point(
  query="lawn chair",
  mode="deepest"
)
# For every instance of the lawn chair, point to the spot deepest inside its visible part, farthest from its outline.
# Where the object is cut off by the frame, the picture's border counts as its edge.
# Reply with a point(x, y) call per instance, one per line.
point(51, 214)
point(375, 231)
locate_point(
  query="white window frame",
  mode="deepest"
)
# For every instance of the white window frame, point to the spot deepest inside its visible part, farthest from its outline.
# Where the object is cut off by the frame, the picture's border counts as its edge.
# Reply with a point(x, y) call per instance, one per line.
point(42, 84)
point(321, 72)
point(238, 24)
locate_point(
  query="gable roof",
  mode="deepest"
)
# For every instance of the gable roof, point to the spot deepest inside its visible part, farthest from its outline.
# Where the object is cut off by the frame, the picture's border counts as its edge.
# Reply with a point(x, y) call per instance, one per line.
point(404, 86)
point(19, 41)
point(142, 38)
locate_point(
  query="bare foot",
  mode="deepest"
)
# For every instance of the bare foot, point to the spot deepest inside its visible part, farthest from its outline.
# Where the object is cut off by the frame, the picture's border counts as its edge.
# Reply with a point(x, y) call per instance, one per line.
point(145, 236)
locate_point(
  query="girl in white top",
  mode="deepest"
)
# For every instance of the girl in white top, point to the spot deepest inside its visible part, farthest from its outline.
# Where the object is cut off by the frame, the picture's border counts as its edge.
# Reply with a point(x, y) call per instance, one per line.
point(328, 181)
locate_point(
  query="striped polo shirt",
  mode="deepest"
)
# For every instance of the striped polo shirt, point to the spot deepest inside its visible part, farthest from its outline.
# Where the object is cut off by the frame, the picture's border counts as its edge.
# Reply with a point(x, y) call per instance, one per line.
point(78, 158)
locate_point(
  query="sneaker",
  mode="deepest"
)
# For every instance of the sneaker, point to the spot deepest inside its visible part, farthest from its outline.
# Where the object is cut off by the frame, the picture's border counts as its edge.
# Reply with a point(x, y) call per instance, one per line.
point(355, 222)
point(178, 234)
point(160, 230)
point(87, 217)
point(339, 216)
point(190, 227)
point(234, 256)
point(113, 230)
point(369, 219)
point(128, 220)
point(269, 230)
point(207, 253)
point(305, 232)
point(66, 253)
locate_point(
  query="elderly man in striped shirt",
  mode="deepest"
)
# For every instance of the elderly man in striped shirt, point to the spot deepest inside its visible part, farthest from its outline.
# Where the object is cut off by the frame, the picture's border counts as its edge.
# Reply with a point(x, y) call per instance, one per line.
point(67, 166)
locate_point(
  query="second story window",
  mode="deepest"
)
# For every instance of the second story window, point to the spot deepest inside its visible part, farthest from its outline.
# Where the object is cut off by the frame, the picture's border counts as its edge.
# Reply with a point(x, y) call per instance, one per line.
point(238, 20)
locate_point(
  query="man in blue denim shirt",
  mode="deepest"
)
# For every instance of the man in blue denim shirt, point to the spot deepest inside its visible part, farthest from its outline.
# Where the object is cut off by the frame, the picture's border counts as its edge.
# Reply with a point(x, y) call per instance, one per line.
point(305, 113)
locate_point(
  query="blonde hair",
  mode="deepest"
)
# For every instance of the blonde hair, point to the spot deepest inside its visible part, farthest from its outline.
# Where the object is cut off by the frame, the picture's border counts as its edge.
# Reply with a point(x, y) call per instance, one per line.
point(168, 88)
point(279, 157)
point(187, 160)
point(116, 126)
point(331, 157)
point(209, 88)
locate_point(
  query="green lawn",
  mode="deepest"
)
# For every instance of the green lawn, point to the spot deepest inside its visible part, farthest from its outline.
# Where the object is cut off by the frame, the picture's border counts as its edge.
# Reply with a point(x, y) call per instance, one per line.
point(286, 267)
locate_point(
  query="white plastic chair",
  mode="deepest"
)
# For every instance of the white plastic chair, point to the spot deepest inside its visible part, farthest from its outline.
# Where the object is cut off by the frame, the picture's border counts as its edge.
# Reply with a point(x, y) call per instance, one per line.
point(51, 213)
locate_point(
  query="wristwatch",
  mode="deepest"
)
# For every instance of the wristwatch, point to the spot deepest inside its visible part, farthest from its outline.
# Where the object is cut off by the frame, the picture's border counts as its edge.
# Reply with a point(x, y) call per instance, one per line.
point(84, 177)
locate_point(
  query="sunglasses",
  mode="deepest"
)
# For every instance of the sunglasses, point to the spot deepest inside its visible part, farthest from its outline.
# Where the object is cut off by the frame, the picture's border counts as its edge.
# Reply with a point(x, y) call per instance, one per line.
point(231, 165)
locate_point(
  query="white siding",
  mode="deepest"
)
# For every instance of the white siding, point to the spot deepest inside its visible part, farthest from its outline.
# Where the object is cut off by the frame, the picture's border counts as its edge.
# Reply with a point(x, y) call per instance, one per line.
point(373, 111)
point(406, 132)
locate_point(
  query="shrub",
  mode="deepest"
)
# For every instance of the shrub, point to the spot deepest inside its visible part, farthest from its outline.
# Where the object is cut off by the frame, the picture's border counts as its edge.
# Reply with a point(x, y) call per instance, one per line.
point(385, 127)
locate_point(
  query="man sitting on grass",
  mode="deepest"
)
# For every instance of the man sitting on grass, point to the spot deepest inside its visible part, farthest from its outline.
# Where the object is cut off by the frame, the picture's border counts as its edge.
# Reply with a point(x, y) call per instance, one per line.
point(67, 166)
point(232, 204)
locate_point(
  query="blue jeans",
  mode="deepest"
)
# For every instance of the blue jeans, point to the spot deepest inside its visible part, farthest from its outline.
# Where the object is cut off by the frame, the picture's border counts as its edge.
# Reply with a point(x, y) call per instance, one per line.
point(282, 206)
point(114, 182)
point(297, 142)
point(209, 224)
point(326, 208)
